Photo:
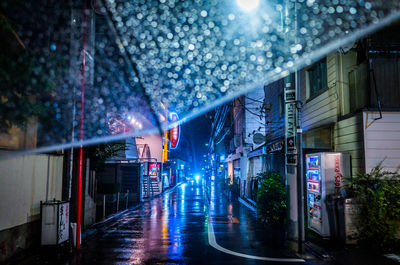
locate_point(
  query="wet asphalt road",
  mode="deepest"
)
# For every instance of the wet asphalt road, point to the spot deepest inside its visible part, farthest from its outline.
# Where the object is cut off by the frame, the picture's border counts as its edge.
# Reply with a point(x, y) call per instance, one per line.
point(174, 229)
point(190, 224)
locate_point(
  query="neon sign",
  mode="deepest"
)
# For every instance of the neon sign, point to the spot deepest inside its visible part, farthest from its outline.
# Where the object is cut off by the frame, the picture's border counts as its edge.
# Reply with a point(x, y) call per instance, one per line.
point(174, 133)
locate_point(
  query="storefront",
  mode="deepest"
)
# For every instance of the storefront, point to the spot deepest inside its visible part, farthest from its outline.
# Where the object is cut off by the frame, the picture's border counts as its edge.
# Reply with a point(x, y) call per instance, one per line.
point(256, 164)
point(275, 158)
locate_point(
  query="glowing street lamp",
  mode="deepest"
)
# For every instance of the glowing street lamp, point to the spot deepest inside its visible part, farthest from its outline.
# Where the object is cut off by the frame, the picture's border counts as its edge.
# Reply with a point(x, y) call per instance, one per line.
point(248, 5)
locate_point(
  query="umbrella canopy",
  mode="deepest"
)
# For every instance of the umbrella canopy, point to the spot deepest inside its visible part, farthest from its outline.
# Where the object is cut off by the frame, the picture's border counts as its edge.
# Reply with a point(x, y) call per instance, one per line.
point(76, 74)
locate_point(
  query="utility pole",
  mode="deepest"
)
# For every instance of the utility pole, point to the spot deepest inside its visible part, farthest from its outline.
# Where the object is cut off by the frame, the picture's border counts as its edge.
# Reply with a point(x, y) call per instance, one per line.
point(300, 174)
point(293, 143)
point(299, 142)
point(291, 155)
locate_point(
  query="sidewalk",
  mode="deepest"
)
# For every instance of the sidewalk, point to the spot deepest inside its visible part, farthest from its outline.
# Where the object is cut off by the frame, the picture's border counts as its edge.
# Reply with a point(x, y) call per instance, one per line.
point(319, 251)
point(64, 254)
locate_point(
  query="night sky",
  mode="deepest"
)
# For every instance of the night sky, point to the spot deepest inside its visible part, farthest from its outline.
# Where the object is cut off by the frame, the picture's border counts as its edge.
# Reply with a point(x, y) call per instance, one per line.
point(198, 130)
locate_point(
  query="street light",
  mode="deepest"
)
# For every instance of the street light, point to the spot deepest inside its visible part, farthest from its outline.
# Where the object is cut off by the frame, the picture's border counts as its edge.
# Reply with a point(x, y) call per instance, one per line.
point(248, 5)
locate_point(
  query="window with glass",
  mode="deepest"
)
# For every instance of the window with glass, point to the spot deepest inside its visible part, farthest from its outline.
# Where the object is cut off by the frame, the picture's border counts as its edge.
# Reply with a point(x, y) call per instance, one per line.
point(318, 78)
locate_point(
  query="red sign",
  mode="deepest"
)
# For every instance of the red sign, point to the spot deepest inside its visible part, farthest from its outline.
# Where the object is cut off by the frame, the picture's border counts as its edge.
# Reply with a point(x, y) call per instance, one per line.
point(338, 174)
point(174, 133)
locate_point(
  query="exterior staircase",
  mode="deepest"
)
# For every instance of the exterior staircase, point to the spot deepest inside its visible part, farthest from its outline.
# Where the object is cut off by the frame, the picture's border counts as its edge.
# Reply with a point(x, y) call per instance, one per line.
point(154, 188)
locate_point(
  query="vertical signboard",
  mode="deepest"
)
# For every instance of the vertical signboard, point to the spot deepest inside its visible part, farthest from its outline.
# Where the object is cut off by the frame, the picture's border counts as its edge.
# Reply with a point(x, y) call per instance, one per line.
point(165, 147)
point(290, 124)
point(174, 133)
point(63, 222)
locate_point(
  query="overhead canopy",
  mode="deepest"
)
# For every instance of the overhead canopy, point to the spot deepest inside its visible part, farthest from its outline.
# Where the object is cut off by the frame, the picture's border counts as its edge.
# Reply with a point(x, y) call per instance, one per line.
point(143, 59)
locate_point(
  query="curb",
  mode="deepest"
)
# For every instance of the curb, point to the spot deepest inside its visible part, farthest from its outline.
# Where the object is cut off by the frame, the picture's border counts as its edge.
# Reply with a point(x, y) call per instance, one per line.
point(250, 207)
point(316, 251)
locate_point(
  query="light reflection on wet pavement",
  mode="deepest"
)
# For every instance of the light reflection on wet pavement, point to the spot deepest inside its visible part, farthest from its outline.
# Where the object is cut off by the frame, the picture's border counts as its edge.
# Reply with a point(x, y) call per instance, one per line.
point(173, 229)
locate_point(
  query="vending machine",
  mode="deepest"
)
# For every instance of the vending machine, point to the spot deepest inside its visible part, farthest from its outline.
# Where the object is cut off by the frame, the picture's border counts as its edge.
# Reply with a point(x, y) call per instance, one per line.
point(325, 174)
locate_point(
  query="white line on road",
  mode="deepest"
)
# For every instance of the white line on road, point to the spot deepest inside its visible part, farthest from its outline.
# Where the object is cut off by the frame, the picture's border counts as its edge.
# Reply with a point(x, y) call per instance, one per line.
point(393, 257)
point(214, 244)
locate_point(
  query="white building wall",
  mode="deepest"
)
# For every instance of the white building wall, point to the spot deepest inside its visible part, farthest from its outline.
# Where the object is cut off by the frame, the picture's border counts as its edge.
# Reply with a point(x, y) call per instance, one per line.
point(324, 108)
point(382, 140)
point(24, 182)
point(155, 144)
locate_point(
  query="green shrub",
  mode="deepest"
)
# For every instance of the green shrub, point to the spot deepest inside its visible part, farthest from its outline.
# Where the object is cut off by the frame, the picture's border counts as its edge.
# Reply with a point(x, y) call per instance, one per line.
point(271, 199)
point(378, 194)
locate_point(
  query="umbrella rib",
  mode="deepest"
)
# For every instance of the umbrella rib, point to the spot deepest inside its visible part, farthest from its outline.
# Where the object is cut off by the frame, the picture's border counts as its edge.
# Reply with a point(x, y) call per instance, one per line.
point(132, 67)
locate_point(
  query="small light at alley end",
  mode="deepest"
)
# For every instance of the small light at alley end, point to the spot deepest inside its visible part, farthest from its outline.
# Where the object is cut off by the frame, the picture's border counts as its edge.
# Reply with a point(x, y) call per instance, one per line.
point(197, 178)
point(248, 5)
point(212, 178)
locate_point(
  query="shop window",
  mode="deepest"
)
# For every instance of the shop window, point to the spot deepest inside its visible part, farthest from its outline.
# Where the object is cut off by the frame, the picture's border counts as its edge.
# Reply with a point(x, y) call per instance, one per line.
point(317, 78)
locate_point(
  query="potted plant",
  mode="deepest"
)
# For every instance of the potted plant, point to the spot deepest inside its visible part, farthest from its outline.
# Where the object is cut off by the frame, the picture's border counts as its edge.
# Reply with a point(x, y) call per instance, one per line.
point(272, 204)
point(378, 194)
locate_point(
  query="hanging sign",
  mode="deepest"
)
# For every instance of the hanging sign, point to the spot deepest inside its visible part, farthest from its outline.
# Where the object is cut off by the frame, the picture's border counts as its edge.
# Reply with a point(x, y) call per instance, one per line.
point(174, 133)
point(275, 147)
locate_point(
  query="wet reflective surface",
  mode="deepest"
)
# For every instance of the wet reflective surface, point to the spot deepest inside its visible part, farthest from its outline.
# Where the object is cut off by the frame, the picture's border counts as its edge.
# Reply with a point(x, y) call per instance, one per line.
point(173, 229)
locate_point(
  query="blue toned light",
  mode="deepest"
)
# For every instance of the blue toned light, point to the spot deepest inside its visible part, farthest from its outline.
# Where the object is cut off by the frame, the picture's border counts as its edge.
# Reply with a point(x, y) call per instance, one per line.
point(248, 5)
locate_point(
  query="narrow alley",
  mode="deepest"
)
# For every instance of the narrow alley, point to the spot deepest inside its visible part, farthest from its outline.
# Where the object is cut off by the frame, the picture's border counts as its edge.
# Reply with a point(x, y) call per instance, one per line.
point(191, 224)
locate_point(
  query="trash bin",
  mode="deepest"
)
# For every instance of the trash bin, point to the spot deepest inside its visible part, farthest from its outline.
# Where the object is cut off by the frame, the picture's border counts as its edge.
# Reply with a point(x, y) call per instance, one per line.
point(332, 215)
point(340, 217)
point(336, 218)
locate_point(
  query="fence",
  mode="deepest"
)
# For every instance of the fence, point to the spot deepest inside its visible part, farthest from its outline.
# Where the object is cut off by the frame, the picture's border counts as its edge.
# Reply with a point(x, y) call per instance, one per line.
point(108, 204)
